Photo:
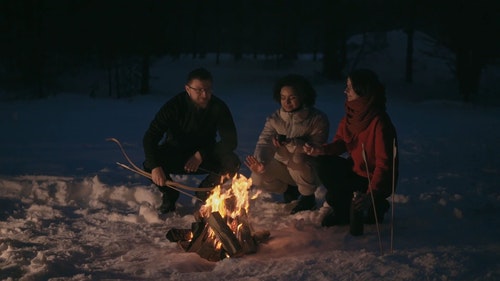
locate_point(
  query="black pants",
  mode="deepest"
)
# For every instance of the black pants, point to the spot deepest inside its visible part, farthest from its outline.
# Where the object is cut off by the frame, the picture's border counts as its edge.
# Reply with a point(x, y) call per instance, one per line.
point(174, 158)
point(336, 174)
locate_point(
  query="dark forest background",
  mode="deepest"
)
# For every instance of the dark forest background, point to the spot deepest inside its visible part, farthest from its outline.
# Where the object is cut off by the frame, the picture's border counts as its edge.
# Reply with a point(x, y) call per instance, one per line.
point(42, 39)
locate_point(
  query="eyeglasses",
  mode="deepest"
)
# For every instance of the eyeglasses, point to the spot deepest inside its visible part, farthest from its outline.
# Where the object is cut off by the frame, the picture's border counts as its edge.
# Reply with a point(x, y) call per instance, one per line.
point(200, 90)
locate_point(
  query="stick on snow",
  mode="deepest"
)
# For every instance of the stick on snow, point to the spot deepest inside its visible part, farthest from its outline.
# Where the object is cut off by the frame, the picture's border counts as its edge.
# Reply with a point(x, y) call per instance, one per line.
point(373, 199)
point(394, 151)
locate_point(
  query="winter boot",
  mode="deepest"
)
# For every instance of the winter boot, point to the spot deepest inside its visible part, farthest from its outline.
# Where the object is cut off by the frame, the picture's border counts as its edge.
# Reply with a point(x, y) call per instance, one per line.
point(306, 203)
point(169, 197)
point(167, 205)
point(291, 194)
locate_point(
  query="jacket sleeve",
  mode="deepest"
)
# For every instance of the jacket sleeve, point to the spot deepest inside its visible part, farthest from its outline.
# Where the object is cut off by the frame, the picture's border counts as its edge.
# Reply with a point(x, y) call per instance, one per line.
point(381, 178)
point(226, 129)
point(319, 134)
point(264, 150)
point(338, 145)
point(154, 134)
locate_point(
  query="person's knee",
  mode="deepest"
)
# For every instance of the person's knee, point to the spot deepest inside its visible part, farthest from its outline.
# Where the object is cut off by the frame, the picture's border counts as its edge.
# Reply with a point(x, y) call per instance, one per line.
point(274, 186)
point(306, 190)
point(306, 181)
point(257, 179)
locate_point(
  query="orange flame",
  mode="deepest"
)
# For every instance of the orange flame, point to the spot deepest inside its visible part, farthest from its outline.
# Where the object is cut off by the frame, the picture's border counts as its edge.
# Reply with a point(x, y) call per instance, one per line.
point(229, 202)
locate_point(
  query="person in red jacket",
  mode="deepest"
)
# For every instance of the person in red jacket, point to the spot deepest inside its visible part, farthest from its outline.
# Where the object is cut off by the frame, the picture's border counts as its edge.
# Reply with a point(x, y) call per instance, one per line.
point(365, 132)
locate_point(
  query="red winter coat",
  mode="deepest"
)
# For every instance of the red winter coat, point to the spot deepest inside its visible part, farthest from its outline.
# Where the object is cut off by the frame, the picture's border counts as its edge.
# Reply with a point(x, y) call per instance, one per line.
point(378, 140)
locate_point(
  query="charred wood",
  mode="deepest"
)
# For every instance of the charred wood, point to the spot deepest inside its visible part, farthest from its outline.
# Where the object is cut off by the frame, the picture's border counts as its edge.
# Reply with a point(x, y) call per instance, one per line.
point(229, 241)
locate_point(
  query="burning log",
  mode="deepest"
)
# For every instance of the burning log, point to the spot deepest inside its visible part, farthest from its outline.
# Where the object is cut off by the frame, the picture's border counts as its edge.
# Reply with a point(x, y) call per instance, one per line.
point(226, 236)
point(246, 240)
point(206, 246)
point(199, 239)
point(177, 235)
point(214, 239)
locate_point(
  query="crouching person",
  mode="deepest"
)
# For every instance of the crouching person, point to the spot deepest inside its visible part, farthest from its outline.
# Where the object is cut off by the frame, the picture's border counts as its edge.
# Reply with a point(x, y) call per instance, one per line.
point(279, 164)
point(365, 130)
point(181, 139)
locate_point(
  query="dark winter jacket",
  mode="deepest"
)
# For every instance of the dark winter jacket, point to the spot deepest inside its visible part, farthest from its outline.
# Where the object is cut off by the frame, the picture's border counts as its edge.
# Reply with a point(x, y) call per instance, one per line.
point(190, 128)
point(377, 140)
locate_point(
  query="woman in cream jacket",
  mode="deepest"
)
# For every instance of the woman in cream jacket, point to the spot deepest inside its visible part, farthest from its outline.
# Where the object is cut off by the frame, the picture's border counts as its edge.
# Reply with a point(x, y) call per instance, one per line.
point(279, 163)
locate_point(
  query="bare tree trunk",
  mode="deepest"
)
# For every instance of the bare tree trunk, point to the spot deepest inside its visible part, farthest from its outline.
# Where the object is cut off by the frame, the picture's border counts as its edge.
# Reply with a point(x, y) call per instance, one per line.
point(468, 73)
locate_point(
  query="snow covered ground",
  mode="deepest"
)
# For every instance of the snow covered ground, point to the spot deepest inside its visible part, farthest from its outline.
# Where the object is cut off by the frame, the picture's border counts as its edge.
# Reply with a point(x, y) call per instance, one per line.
point(68, 212)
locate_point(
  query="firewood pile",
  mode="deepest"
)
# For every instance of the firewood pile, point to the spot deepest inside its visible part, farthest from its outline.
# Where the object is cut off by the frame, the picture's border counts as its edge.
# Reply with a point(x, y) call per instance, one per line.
point(221, 229)
point(214, 239)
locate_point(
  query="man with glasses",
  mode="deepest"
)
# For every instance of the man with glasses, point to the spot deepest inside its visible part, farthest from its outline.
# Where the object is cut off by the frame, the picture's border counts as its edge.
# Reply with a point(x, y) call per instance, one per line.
point(192, 133)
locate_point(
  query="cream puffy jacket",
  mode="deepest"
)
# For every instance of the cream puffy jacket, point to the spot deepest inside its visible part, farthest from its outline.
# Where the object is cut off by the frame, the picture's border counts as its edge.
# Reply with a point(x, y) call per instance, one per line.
point(288, 164)
point(305, 125)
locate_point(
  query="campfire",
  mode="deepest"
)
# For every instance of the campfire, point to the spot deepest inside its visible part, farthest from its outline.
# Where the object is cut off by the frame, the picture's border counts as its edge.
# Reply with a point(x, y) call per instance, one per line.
point(222, 228)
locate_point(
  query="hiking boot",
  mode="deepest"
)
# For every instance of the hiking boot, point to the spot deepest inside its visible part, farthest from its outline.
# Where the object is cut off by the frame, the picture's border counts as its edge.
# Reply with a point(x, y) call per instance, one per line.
point(332, 219)
point(166, 206)
point(382, 208)
point(168, 199)
point(306, 203)
point(291, 194)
